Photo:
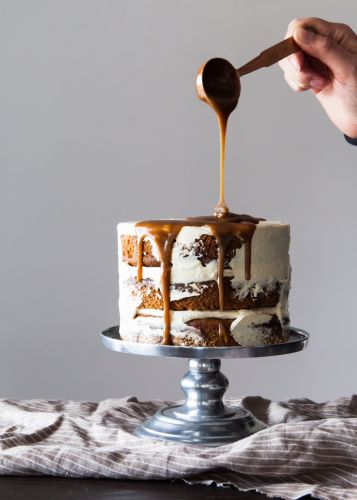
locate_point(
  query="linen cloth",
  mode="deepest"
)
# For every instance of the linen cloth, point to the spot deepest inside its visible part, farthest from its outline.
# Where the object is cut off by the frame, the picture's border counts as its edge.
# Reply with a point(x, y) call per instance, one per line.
point(308, 448)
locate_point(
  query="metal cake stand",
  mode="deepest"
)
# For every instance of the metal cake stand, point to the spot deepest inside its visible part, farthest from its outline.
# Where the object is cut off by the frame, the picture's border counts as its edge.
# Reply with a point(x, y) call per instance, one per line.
point(203, 418)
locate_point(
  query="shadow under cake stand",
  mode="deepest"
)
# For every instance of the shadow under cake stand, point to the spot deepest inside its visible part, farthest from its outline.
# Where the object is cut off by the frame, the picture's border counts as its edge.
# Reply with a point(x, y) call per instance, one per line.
point(203, 418)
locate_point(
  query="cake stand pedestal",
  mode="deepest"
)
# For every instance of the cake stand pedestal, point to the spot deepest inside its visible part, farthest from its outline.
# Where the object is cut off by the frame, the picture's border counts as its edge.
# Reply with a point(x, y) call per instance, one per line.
point(203, 418)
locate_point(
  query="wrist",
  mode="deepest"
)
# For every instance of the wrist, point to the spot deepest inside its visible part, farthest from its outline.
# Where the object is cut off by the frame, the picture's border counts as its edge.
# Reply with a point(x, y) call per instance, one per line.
point(349, 129)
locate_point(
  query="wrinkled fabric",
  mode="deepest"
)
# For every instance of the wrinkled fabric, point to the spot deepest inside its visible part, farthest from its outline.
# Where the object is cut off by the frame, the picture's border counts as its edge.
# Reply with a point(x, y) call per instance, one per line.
point(308, 448)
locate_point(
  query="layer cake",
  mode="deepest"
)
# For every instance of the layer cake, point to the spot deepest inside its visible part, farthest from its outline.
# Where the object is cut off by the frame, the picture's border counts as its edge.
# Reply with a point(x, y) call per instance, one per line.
point(204, 281)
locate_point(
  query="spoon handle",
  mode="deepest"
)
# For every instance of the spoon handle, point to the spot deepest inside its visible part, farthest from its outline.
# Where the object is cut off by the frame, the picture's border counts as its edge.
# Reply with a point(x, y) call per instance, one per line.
point(270, 56)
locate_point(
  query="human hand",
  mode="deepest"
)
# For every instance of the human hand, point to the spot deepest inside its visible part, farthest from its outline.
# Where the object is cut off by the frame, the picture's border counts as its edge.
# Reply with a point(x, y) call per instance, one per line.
point(327, 65)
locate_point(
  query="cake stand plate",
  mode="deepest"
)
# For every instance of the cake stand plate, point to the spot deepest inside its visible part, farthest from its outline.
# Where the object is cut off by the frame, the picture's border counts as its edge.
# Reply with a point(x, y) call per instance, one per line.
point(203, 418)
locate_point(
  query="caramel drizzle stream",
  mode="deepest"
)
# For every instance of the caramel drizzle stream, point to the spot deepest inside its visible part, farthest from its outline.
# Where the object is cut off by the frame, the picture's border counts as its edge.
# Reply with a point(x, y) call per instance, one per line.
point(221, 208)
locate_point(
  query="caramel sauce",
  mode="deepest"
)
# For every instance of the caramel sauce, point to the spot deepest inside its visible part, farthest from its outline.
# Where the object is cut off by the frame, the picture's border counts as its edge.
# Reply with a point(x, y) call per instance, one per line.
point(223, 333)
point(223, 91)
point(139, 259)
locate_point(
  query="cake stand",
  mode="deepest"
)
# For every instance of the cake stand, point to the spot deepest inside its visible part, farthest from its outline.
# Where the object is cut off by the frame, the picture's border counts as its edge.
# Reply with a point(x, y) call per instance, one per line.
point(203, 418)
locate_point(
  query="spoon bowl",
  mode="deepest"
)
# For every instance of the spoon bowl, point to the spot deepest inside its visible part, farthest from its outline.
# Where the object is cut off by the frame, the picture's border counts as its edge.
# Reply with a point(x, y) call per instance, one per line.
point(218, 85)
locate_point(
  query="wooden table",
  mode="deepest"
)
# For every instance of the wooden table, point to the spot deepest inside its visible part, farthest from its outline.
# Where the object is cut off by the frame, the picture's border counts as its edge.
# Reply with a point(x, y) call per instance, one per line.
point(54, 488)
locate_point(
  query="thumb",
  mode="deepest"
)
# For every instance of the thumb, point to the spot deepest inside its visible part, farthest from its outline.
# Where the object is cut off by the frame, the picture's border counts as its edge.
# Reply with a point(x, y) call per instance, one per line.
point(325, 49)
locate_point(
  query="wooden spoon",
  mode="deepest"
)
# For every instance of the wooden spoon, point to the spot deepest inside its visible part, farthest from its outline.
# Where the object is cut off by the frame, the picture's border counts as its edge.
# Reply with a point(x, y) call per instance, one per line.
point(218, 82)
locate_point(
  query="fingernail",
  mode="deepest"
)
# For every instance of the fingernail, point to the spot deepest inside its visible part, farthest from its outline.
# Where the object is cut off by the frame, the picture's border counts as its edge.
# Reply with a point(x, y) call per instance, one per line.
point(317, 83)
point(294, 63)
point(305, 35)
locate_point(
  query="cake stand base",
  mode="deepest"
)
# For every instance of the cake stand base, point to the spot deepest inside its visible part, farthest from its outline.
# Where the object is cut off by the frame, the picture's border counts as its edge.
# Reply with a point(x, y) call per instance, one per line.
point(203, 418)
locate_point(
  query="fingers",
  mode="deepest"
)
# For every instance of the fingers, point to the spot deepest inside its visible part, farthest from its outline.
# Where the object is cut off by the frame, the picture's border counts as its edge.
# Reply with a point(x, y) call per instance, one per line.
point(296, 61)
point(325, 50)
point(342, 34)
point(345, 37)
point(303, 81)
point(332, 44)
point(299, 76)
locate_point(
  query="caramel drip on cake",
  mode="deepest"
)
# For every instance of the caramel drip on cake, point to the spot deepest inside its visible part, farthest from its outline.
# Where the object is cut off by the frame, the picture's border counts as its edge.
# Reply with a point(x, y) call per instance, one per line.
point(223, 333)
point(164, 233)
point(140, 244)
point(222, 245)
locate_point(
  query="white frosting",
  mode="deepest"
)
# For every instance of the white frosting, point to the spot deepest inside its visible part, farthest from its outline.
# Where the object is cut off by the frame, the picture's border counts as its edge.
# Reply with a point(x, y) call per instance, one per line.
point(180, 318)
point(128, 304)
point(247, 329)
point(270, 257)
point(196, 273)
point(152, 327)
point(189, 234)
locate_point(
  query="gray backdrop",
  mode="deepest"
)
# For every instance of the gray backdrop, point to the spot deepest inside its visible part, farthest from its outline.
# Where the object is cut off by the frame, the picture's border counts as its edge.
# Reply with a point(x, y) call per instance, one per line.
point(100, 124)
